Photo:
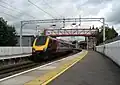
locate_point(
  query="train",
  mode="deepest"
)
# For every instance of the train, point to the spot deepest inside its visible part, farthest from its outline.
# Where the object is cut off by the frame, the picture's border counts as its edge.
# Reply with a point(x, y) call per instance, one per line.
point(46, 47)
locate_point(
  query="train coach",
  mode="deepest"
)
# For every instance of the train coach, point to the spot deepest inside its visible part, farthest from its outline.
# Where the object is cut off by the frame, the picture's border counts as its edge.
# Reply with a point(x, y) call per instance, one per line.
point(46, 47)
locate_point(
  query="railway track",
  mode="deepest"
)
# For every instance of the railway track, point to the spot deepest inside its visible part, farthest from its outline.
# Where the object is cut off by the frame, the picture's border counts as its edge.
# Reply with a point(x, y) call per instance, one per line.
point(13, 69)
point(9, 70)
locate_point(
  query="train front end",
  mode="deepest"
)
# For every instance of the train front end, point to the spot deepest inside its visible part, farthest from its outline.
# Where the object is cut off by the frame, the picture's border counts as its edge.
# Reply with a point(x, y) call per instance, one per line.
point(39, 46)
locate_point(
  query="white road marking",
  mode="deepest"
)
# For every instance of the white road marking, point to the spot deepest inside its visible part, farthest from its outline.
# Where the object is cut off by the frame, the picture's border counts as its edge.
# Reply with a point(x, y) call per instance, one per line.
point(47, 68)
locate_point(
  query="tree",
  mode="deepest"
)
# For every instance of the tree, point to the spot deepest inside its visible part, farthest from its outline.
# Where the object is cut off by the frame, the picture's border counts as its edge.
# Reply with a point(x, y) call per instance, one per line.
point(8, 35)
point(42, 33)
point(93, 27)
point(110, 33)
point(90, 27)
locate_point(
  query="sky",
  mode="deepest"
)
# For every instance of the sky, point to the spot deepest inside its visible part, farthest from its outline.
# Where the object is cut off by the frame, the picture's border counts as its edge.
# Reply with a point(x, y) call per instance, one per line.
point(15, 11)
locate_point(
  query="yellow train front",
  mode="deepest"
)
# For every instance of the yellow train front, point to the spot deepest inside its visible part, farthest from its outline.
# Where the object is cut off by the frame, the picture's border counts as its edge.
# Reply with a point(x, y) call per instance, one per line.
point(46, 47)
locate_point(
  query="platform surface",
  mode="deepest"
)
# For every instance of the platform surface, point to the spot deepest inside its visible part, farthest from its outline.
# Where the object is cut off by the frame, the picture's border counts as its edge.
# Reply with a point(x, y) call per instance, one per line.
point(14, 56)
point(43, 74)
point(93, 69)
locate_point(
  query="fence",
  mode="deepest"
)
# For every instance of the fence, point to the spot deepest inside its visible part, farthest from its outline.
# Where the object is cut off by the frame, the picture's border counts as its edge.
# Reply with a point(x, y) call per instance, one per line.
point(14, 50)
point(112, 50)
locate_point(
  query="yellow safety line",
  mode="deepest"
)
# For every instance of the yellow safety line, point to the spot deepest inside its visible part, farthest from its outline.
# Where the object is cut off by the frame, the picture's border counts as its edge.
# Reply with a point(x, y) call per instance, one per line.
point(45, 79)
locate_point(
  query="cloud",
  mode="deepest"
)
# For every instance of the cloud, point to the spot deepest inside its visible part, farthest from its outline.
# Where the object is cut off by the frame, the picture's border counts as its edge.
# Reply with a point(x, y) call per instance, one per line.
point(97, 2)
point(113, 14)
point(67, 8)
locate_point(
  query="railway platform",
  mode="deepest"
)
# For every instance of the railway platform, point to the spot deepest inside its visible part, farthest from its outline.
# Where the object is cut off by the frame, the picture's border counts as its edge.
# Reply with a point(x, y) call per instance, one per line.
point(94, 69)
point(84, 68)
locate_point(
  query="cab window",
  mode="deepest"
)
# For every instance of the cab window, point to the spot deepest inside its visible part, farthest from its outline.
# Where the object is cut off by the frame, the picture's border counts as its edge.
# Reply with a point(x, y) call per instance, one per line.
point(41, 40)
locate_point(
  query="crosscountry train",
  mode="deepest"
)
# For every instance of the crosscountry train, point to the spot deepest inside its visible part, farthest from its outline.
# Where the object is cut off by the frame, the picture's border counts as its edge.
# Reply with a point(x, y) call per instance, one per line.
point(46, 47)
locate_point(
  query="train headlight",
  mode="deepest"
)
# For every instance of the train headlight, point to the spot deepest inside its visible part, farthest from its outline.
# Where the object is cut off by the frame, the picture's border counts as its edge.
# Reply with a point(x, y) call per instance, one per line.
point(44, 49)
point(33, 50)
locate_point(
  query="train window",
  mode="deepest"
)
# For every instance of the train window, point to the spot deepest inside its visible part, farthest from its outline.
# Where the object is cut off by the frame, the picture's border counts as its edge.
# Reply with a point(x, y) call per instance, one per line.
point(61, 44)
point(50, 43)
point(41, 40)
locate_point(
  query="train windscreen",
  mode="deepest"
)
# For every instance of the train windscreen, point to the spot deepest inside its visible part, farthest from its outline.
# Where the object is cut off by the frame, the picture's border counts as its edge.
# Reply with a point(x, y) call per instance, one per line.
point(41, 40)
